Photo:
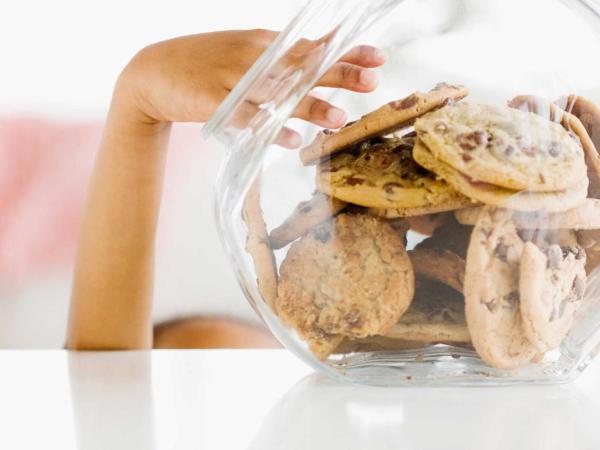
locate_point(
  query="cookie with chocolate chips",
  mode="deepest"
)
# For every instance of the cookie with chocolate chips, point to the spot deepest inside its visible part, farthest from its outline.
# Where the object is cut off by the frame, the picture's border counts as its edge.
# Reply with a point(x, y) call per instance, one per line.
point(383, 174)
point(503, 147)
point(492, 301)
point(387, 119)
point(489, 194)
point(350, 277)
point(551, 287)
point(306, 215)
point(437, 314)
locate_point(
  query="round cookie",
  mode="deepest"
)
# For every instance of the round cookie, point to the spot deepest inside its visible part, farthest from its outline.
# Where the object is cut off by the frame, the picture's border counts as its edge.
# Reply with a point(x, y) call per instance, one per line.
point(503, 146)
point(584, 217)
point(492, 301)
point(437, 314)
point(496, 196)
point(551, 286)
point(387, 119)
point(383, 174)
point(306, 215)
point(257, 245)
point(348, 277)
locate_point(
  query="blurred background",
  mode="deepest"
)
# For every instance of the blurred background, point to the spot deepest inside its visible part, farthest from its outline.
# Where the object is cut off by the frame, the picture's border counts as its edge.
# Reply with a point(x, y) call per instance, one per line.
point(60, 60)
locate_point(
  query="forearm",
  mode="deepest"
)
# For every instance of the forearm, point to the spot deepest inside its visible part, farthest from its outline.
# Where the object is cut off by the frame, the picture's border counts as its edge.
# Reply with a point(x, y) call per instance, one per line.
point(112, 292)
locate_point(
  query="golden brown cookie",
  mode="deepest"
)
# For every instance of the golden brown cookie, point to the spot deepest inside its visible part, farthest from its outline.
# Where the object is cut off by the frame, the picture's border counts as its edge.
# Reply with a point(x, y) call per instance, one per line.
point(497, 196)
point(383, 174)
point(306, 215)
point(584, 217)
point(503, 147)
point(492, 293)
point(257, 245)
point(551, 286)
point(385, 120)
point(350, 277)
point(573, 125)
point(437, 314)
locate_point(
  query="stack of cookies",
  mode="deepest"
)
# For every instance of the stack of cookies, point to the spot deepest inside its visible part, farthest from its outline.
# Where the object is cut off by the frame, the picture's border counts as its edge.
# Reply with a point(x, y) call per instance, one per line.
point(504, 200)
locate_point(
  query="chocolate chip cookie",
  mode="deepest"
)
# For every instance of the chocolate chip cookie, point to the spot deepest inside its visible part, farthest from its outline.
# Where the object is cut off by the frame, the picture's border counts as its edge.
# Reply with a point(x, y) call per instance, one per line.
point(387, 119)
point(503, 147)
point(350, 277)
point(492, 301)
point(383, 174)
point(551, 286)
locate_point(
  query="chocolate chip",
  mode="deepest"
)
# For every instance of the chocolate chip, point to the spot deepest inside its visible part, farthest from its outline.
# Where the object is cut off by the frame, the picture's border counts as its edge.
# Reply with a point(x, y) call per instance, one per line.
point(492, 305)
point(501, 251)
point(407, 103)
point(455, 355)
point(511, 300)
point(328, 132)
point(354, 181)
point(322, 234)
point(466, 157)
point(509, 151)
point(554, 149)
point(470, 141)
point(306, 209)
point(579, 287)
point(528, 151)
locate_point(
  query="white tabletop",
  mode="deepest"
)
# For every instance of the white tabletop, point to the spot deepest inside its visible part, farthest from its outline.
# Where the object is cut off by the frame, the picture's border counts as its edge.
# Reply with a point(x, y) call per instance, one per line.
point(268, 400)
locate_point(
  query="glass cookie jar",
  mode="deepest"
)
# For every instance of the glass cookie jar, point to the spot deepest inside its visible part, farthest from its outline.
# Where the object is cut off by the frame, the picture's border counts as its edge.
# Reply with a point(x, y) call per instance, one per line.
point(450, 234)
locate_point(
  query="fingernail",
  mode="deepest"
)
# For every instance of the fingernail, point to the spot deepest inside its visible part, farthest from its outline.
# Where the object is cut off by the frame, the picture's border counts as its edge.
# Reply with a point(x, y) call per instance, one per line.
point(336, 115)
point(368, 78)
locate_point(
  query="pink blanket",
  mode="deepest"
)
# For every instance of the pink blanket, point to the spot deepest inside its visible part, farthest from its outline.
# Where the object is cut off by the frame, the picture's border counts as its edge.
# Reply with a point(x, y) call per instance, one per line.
point(44, 171)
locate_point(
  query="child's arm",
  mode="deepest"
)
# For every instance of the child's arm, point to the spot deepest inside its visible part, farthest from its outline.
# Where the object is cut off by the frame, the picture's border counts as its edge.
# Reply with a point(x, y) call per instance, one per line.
point(183, 80)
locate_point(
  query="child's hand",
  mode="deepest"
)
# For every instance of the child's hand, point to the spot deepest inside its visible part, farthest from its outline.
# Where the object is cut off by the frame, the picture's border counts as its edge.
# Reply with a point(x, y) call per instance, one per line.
point(185, 79)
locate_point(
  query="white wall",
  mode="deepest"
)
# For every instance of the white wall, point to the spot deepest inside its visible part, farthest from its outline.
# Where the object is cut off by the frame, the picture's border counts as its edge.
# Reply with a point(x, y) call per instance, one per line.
point(62, 56)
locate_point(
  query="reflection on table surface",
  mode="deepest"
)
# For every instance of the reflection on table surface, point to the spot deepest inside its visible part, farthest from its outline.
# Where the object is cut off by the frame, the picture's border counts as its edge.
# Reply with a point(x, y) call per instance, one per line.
point(268, 400)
